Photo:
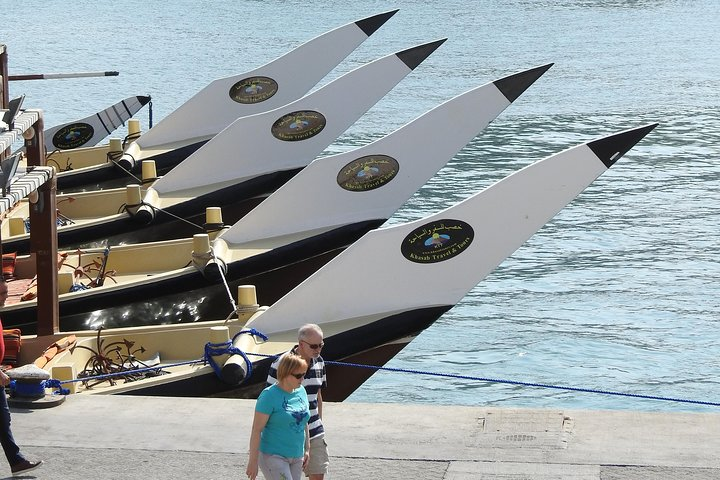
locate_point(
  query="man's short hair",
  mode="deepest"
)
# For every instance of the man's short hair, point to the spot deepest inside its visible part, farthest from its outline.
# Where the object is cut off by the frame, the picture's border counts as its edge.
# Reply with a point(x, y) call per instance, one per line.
point(307, 328)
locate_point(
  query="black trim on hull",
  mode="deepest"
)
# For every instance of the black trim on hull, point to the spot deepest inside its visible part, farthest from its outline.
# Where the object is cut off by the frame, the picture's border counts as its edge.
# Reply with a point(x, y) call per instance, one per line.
point(610, 149)
point(370, 25)
point(191, 297)
point(113, 177)
point(367, 344)
point(235, 201)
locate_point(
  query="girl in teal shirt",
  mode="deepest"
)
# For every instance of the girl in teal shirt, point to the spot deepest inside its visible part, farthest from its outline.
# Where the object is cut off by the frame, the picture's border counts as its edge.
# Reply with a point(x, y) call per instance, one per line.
point(280, 441)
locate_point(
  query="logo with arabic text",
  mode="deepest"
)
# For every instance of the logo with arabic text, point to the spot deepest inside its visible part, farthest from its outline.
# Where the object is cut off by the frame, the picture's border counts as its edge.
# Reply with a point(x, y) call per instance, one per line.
point(253, 90)
point(73, 136)
point(437, 241)
point(298, 126)
point(368, 173)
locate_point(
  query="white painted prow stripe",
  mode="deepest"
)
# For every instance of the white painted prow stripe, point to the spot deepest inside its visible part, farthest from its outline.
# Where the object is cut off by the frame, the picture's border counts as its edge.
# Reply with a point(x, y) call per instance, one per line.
point(248, 148)
point(102, 123)
point(313, 201)
point(373, 277)
point(296, 72)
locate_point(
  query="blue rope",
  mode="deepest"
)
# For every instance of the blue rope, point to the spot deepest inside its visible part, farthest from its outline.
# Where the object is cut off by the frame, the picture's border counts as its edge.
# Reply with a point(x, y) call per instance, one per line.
point(528, 384)
point(29, 389)
point(215, 349)
point(211, 350)
point(35, 389)
point(52, 383)
point(105, 376)
point(56, 384)
point(252, 332)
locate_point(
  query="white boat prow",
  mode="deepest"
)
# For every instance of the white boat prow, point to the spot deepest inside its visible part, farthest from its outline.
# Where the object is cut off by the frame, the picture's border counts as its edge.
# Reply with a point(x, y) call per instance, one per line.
point(370, 183)
point(90, 131)
point(272, 85)
point(432, 263)
point(289, 137)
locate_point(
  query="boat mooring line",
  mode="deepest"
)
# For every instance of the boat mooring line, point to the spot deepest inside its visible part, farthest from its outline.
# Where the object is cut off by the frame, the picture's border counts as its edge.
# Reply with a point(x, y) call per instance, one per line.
point(213, 349)
point(527, 384)
point(229, 293)
point(112, 160)
point(127, 372)
point(57, 384)
point(126, 207)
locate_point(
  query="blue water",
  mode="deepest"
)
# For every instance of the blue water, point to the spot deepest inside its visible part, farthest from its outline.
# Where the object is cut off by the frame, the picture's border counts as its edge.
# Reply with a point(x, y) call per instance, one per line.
point(619, 292)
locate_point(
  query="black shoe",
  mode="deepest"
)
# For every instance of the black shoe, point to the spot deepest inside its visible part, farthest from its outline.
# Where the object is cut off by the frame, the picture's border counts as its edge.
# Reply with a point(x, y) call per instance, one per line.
point(25, 466)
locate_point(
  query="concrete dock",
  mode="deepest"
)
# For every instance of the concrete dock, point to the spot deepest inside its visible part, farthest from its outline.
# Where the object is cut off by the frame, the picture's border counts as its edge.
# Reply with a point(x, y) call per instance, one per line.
point(124, 437)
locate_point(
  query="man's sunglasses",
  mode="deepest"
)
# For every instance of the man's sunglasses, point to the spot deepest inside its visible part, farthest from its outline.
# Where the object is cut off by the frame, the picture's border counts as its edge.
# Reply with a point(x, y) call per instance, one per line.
point(314, 346)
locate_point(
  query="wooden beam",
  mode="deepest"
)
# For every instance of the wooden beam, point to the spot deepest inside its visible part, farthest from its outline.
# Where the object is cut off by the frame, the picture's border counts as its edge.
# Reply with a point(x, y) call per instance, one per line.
point(4, 94)
point(43, 238)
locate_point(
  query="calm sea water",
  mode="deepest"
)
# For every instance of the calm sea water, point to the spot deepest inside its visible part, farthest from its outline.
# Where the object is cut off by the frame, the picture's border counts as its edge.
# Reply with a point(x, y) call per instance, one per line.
point(619, 292)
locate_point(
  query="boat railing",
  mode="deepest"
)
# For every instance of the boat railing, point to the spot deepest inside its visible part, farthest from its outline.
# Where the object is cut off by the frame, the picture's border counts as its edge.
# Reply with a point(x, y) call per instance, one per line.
point(28, 125)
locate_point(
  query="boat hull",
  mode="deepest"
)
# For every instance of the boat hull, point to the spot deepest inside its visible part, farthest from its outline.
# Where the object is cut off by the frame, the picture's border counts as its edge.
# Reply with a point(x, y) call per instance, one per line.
point(373, 345)
point(109, 175)
point(190, 297)
point(181, 221)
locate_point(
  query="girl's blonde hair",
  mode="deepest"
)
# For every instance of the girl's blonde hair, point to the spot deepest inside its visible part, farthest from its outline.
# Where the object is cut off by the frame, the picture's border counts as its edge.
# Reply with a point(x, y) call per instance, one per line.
point(289, 363)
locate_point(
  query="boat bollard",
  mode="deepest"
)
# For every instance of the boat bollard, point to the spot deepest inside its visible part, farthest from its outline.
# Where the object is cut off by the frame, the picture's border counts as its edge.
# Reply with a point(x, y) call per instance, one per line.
point(16, 226)
point(247, 299)
point(149, 171)
point(115, 149)
point(213, 219)
point(133, 198)
point(220, 336)
point(133, 126)
point(235, 368)
point(127, 161)
point(145, 213)
point(27, 389)
point(65, 282)
point(201, 252)
point(215, 268)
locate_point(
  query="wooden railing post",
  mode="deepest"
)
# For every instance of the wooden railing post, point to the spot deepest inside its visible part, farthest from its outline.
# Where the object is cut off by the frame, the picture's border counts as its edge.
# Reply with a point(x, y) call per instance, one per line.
point(43, 237)
point(4, 94)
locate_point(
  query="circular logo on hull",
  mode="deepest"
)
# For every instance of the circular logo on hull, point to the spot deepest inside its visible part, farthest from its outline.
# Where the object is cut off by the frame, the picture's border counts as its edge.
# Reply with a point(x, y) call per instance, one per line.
point(368, 173)
point(437, 241)
point(298, 126)
point(73, 136)
point(253, 90)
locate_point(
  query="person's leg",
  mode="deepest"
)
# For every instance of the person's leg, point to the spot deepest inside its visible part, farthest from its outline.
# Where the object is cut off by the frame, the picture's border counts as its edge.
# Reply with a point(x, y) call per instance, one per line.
point(296, 468)
point(12, 451)
point(274, 467)
point(317, 467)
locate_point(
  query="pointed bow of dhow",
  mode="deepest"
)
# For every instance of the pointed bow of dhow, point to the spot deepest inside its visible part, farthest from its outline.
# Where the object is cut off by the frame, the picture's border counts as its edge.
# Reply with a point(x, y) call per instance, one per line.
point(611, 148)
